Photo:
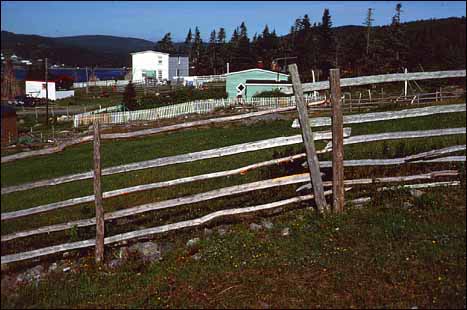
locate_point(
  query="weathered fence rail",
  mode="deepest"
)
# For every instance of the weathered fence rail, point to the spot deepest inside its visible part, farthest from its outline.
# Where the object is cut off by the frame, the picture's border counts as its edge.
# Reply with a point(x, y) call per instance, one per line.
point(235, 149)
point(176, 159)
point(416, 159)
point(144, 132)
point(160, 229)
point(384, 78)
point(384, 116)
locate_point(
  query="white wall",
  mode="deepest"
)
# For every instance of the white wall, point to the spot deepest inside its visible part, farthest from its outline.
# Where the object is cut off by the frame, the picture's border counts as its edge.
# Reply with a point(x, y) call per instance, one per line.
point(37, 89)
point(149, 60)
point(60, 94)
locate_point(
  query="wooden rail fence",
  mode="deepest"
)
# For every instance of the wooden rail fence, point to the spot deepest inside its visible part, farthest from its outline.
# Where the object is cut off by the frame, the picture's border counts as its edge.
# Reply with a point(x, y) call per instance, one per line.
point(314, 177)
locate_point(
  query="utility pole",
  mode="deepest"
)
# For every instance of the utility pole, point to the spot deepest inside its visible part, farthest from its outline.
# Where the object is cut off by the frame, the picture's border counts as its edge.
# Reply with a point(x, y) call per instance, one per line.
point(87, 81)
point(368, 21)
point(46, 94)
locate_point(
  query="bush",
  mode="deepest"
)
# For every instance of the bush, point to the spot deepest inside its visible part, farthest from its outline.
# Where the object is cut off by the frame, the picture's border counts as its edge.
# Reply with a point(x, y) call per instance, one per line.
point(181, 95)
point(272, 93)
point(129, 97)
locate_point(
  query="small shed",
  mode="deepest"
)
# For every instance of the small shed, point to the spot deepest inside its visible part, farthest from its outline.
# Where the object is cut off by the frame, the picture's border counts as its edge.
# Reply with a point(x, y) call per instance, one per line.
point(9, 129)
point(236, 81)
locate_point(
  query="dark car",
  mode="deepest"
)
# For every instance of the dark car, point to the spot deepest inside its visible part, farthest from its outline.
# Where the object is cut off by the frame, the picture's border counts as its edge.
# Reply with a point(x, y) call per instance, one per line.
point(27, 101)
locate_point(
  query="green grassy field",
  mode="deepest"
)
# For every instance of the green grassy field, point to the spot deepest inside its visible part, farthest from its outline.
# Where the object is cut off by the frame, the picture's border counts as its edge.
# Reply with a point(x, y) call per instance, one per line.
point(382, 256)
point(368, 235)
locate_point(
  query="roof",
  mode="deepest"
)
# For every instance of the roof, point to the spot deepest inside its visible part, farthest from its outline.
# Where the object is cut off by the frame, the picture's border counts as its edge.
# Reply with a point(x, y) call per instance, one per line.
point(178, 55)
point(256, 69)
point(41, 81)
point(7, 110)
point(149, 51)
point(267, 82)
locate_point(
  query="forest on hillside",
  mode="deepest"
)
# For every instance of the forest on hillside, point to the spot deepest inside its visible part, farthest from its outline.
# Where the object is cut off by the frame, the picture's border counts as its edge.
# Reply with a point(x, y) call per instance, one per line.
point(316, 45)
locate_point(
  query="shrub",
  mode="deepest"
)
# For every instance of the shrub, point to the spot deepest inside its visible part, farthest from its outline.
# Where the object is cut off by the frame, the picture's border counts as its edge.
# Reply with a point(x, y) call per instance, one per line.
point(273, 93)
point(181, 95)
point(129, 97)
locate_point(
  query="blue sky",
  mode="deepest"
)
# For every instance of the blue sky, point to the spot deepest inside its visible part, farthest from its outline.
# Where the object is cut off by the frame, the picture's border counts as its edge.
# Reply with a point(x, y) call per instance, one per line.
point(151, 20)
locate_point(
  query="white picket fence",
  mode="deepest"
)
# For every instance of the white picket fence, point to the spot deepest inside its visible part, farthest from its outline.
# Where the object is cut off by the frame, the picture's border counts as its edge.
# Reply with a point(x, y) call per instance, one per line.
point(192, 107)
point(101, 83)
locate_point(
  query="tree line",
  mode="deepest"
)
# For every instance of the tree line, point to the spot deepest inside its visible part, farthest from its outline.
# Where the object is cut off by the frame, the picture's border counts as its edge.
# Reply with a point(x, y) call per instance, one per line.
point(356, 50)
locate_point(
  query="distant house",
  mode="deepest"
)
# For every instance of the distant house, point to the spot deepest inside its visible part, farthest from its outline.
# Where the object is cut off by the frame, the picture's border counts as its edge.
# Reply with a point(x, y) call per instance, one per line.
point(36, 89)
point(8, 121)
point(150, 65)
point(249, 82)
point(178, 67)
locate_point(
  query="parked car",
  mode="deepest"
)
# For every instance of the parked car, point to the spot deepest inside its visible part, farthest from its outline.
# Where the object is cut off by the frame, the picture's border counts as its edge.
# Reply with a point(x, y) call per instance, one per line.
point(27, 101)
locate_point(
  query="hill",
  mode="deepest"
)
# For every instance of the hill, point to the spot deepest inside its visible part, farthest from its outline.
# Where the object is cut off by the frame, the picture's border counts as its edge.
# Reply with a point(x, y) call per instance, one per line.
point(107, 44)
point(86, 50)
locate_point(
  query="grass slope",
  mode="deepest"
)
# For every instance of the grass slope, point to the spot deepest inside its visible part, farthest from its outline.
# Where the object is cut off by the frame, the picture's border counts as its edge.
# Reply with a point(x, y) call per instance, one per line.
point(383, 256)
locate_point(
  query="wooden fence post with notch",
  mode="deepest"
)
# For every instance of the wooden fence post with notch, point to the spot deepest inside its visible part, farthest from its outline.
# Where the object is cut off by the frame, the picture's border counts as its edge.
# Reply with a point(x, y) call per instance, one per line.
point(337, 142)
point(307, 135)
point(98, 195)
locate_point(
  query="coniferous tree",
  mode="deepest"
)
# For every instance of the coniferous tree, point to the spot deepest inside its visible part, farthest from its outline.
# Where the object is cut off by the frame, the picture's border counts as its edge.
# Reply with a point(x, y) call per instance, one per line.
point(223, 50)
point(368, 23)
point(166, 45)
point(188, 43)
point(326, 43)
point(197, 51)
point(396, 44)
point(212, 51)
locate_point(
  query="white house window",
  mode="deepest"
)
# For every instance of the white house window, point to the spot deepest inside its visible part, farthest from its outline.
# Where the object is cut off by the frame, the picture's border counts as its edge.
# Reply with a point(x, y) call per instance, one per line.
point(160, 61)
point(159, 75)
point(240, 88)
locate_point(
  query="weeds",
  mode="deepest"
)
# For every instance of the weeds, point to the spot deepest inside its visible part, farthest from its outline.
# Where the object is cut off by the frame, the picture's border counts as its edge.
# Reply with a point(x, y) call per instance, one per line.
point(73, 234)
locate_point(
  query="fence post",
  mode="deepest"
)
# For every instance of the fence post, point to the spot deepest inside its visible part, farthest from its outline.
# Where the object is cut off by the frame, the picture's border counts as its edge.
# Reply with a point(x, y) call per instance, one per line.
point(98, 195)
point(337, 142)
point(307, 135)
point(405, 84)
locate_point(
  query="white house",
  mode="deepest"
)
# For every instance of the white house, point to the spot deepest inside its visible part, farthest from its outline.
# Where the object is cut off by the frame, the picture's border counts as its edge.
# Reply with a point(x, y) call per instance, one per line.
point(36, 89)
point(150, 64)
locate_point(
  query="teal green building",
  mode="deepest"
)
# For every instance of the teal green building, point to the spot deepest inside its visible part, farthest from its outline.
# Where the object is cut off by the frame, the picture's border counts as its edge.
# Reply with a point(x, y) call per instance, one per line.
point(247, 83)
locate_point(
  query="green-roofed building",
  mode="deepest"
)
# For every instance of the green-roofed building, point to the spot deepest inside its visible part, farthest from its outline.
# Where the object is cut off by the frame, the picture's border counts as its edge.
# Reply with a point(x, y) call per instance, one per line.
point(249, 82)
